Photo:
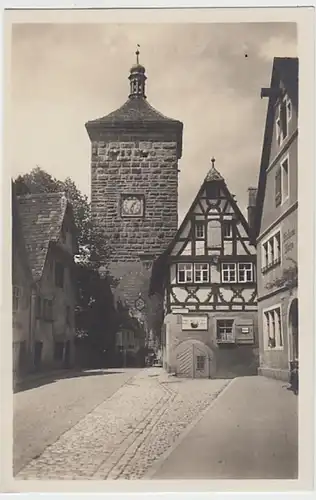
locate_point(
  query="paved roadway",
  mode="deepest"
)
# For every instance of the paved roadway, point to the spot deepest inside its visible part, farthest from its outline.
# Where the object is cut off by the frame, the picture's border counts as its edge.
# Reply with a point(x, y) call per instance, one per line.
point(43, 413)
point(105, 426)
point(250, 432)
point(134, 424)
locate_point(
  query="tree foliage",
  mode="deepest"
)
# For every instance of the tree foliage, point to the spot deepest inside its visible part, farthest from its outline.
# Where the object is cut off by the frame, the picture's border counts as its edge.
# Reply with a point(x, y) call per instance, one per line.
point(92, 250)
point(96, 317)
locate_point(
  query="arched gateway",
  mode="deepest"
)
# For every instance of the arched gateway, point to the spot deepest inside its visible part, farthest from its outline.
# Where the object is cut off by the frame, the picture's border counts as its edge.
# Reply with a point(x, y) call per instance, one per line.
point(194, 359)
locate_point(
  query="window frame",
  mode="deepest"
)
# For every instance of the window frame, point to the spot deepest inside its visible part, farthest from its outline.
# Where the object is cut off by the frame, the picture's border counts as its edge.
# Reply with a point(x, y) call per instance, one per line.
point(284, 101)
point(196, 264)
point(199, 225)
point(227, 223)
point(221, 338)
point(245, 271)
point(199, 358)
point(286, 159)
point(188, 268)
point(268, 318)
point(276, 238)
point(223, 270)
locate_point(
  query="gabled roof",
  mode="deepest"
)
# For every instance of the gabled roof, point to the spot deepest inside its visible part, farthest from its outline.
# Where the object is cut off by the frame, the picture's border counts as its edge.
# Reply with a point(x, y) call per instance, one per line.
point(17, 234)
point(42, 216)
point(285, 70)
point(212, 176)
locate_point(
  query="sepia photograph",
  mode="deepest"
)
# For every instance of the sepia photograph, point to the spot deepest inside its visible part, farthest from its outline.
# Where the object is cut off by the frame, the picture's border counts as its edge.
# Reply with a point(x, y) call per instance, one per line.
point(153, 175)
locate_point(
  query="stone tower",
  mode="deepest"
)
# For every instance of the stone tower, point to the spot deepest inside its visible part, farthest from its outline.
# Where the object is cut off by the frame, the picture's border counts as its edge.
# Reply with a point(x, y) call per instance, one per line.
point(134, 193)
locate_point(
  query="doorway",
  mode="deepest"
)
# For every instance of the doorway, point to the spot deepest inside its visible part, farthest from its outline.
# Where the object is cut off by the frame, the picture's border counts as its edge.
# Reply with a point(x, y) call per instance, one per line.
point(293, 326)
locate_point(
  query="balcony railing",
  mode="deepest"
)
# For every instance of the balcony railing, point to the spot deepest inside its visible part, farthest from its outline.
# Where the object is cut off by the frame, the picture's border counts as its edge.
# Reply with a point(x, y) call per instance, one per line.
point(226, 338)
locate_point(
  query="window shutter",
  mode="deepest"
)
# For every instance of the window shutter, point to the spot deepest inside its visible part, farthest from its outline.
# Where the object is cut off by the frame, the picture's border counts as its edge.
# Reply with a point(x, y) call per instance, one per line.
point(244, 330)
point(278, 192)
point(214, 234)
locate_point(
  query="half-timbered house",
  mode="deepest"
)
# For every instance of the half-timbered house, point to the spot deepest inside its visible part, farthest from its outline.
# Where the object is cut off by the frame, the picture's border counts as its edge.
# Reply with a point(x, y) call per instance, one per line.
point(210, 288)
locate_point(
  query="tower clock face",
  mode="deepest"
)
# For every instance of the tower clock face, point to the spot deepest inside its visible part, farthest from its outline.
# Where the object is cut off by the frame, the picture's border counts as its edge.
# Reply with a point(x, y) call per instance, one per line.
point(132, 206)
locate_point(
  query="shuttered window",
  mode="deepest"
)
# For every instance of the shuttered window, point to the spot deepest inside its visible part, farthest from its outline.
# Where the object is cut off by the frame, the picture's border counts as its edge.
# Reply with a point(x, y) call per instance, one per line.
point(214, 234)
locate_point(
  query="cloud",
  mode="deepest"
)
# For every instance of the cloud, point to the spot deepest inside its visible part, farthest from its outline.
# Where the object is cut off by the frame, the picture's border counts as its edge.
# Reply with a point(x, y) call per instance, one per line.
point(64, 75)
point(278, 46)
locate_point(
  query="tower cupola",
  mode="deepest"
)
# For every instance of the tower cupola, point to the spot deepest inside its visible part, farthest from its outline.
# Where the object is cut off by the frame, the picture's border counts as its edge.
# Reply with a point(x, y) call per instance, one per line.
point(137, 79)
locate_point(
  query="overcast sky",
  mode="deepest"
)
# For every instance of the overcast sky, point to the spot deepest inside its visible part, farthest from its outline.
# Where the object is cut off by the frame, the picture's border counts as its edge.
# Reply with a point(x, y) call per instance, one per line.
point(64, 75)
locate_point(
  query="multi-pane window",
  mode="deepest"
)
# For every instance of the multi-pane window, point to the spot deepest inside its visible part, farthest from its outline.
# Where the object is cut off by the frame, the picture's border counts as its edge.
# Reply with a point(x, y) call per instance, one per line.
point(59, 274)
point(16, 298)
point(224, 331)
point(227, 229)
point(200, 363)
point(185, 273)
point(271, 251)
point(245, 272)
point(229, 273)
point(273, 328)
point(201, 273)
point(199, 230)
point(241, 272)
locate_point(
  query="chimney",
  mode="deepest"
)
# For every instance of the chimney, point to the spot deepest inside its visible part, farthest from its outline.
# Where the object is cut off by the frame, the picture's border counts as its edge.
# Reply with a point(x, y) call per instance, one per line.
point(251, 209)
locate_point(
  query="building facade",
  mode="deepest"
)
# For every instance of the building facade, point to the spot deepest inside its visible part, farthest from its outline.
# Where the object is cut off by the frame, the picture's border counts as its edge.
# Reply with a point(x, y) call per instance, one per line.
point(276, 224)
point(210, 288)
point(22, 287)
point(50, 241)
point(134, 194)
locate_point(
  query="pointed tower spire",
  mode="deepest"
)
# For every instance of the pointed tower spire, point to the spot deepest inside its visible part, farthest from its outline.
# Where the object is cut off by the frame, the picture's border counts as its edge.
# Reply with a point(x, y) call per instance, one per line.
point(137, 78)
point(213, 174)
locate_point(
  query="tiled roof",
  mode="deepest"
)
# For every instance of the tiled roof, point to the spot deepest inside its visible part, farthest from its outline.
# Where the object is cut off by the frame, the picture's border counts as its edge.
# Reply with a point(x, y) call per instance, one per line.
point(41, 216)
point(17, 234)
point(135, 109)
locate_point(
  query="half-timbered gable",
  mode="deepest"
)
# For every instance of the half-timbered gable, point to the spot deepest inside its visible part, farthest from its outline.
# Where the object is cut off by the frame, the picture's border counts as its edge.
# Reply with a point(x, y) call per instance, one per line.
point(212, 262)
point(210, 288)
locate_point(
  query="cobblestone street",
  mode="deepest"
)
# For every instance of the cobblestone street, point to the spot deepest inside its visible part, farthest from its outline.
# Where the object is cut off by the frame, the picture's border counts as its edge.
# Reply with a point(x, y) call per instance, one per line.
point(128, 430)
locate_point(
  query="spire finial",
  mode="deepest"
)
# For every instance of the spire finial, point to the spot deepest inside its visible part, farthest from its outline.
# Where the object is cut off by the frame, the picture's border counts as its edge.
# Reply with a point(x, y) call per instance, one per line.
point(213, 161)
point(137, 54)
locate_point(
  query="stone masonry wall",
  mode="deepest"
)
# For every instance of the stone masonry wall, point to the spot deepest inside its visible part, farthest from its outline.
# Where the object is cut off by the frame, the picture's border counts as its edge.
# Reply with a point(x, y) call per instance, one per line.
point(146, 168)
